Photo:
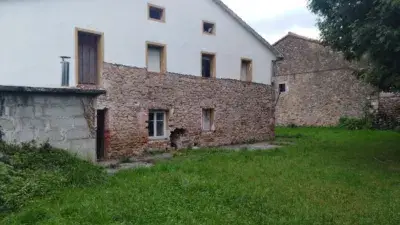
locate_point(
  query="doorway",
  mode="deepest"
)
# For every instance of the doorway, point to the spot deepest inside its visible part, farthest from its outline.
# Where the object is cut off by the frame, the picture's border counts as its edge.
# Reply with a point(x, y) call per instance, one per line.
point(100, 137)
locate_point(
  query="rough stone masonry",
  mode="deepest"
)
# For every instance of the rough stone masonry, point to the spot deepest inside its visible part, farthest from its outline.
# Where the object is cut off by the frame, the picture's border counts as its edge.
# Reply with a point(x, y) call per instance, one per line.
point(64, 117)
point(243, 111)
point(320, 84)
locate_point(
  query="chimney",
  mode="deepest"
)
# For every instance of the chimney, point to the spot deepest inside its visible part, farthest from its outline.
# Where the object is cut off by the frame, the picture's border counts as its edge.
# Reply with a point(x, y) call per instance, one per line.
point(64, 71)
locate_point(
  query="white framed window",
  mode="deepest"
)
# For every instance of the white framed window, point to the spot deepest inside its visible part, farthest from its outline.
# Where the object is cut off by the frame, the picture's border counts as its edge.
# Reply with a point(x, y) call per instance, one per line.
point(207, 119)
point(157, 124)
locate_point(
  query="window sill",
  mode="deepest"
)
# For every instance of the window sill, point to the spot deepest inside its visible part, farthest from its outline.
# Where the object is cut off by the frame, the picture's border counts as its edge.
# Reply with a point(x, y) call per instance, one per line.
point(158, 139)
point(208, 131)
point(156, 20)
point(209, 34)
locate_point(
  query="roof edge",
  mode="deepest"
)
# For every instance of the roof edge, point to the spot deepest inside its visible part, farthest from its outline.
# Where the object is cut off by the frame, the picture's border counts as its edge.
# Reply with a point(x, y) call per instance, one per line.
point(51, 90)
point(292, 34)
point(248, 28)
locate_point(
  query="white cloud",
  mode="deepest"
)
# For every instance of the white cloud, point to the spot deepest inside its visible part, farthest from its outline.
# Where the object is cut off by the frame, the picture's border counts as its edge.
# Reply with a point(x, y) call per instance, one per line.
point(274, 19)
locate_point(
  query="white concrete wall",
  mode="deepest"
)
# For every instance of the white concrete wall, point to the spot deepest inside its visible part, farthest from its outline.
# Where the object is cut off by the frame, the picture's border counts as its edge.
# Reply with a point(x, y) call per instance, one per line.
point(50, 117)
point(35, 33)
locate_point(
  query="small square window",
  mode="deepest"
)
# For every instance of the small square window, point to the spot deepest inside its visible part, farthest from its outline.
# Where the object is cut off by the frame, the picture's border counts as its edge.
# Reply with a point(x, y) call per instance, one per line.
point(156, 13)
point(208, 119)
point(208, 28)
point(207, 65)
point(157, 124)
point(282, 88)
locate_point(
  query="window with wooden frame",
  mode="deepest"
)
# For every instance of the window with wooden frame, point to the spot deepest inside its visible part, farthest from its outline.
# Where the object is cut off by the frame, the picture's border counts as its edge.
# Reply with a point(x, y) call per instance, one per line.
point(157, 124)
point(246, 70)
point(156, 13)
point(208, 65)
point(89, 56)
point(209, 27)
point(156, 57)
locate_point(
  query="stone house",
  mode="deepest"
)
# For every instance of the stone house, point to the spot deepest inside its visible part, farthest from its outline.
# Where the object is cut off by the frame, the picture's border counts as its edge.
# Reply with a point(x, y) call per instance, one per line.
point(177, 73)
point(316, 85)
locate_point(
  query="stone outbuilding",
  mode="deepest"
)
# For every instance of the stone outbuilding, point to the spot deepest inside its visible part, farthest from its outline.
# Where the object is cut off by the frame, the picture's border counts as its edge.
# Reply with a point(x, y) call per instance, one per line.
point(316, 85)
point(63, 117)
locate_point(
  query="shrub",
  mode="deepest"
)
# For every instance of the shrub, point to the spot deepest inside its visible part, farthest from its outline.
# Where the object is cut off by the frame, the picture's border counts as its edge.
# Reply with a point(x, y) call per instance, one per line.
point(355, 123)
point(28, 171)
point(383, 121)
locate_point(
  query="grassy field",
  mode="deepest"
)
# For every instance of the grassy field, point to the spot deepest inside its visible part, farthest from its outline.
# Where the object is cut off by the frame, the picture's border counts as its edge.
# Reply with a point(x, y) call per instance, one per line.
point(330, 176)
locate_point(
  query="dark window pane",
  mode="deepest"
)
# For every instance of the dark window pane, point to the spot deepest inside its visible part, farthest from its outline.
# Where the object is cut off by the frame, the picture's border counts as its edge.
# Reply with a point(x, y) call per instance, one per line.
point(206, 66)
point(208, 28)
point(160, 116)
point(282, 87)
point(160, 128)
point(151, 128)
point(151, 116)
point(155, 13)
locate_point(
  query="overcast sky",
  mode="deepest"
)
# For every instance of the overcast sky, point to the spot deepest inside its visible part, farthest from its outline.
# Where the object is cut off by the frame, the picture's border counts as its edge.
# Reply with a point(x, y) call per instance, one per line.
point(275, 18)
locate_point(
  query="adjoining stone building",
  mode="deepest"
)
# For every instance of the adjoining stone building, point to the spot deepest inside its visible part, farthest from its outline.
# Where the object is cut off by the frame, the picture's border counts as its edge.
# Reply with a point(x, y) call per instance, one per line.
point(316, 85)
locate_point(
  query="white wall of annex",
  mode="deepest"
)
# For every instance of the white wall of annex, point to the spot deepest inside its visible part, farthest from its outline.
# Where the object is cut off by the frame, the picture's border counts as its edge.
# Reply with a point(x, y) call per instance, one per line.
point(35, 33)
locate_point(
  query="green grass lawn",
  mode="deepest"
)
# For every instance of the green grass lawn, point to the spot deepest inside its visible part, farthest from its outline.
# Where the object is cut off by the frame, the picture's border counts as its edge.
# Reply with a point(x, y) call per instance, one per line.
point(330, 176)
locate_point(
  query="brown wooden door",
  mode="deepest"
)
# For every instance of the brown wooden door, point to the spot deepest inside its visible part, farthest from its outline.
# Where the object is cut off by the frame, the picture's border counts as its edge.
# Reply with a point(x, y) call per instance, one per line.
point(88, 58)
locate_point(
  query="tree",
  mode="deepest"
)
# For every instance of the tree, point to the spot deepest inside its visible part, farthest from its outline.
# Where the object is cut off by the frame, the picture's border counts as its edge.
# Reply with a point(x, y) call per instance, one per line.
point(367, 31)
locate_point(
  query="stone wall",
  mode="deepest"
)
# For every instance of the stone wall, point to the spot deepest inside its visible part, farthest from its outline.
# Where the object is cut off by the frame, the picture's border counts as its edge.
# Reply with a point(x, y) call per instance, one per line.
point(243, 111)
point(321, 98)
point(64, 117)
point(320, 82)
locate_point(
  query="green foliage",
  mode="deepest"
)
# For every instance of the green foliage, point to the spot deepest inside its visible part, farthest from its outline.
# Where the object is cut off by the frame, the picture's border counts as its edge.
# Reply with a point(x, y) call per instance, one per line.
point(355, 123)
point(28, 172)
point(380, 121)
point(384, 121)
point(329, 176)
point(367, 30)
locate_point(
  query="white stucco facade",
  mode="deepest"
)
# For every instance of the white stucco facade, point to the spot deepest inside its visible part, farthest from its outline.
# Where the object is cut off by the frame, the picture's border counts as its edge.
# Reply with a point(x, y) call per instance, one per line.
point(35, 33)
